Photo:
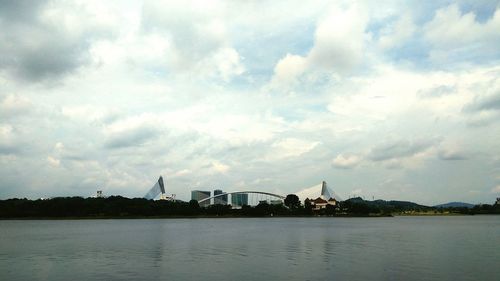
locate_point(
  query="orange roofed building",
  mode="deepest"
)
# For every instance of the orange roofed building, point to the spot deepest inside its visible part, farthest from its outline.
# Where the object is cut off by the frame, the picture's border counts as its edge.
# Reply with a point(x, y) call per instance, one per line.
point(320, 203)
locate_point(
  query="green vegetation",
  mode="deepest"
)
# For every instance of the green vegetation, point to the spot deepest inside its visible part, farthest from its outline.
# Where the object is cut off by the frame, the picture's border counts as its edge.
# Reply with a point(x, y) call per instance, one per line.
point(121, 207)
point(358, 205)
point(292, 201)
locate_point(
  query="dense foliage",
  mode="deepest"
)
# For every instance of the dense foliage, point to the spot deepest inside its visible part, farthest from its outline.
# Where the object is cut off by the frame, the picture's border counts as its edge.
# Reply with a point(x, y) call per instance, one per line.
point(118, 206)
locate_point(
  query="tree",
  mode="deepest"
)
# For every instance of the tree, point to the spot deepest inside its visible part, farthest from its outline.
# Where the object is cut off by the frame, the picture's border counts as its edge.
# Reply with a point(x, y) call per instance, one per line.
point(292, 201)
point(308, 207)
point(330, 210)
point(193, 204)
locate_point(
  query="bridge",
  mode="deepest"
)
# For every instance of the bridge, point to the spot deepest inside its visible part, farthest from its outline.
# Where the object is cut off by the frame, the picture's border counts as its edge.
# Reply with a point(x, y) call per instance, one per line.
point(245, 197)
point(239, 198)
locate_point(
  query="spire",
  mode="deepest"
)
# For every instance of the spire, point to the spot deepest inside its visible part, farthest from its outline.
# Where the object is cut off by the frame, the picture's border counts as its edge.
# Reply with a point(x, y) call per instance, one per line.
point(162, 187)
point(157, 189)
point(325, 193)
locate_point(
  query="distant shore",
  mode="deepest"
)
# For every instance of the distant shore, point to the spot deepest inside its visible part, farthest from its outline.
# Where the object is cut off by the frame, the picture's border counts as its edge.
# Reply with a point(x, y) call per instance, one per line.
point(118, 207)
point(192, 217)
point(233, 217)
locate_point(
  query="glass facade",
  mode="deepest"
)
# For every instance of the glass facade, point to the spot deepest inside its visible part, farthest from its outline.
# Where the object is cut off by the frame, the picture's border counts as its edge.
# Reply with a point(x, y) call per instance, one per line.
point(221, 199)
point(199, 195)
point(239, 199)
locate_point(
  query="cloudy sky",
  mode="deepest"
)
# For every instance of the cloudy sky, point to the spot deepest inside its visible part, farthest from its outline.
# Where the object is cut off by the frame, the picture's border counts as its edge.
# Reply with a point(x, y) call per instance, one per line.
point(392, 100)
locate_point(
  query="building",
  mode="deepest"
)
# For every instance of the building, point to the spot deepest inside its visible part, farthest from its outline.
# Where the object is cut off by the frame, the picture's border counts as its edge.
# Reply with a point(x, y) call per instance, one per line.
point(167, 198)
point(333, 202)
point(221, 199)
point(322, 190)
point(272, 202)
point(277, 202)
point(239, 199)
point(320, 203)
point(199, 195)
point(498, 201)
point(99, 194)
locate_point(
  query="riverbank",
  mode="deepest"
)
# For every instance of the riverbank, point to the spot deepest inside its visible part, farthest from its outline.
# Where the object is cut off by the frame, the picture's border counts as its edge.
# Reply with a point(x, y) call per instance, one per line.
point(117, 207)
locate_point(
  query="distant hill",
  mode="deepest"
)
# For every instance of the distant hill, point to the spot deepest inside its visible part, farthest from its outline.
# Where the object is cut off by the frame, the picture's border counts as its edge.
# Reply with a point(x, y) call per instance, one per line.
point(392, 204)
point(455, 205)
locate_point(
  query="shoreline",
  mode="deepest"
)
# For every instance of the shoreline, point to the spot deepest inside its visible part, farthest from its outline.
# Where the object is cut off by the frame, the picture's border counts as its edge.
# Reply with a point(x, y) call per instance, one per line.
point(232, 217)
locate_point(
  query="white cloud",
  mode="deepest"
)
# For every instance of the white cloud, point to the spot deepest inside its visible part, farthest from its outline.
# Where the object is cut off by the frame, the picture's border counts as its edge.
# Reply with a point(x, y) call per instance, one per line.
point(227, 62)
point(88, 113)
point(13, 105)
point(8, 144)
point(288, 69)
point(454, 34)
point(338, 46)
point(451, 28)
point(496, 189)
point(397, 33)
point(197, 36)
point(291, 147)
point(6, 131)
point(54, 162)
point(219, 167)
point(189, 92)
point(182, 173)
point(346, 161)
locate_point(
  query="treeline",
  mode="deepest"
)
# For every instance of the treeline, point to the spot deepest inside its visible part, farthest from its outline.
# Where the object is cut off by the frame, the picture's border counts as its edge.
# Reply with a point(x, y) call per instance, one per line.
point(118, 206)
point(383, 206)
point(405, 207)
point(482, 209)
point(122, 207)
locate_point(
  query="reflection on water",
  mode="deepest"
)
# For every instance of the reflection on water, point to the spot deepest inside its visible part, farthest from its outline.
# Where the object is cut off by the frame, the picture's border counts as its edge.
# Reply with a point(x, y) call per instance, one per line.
point(401, 248)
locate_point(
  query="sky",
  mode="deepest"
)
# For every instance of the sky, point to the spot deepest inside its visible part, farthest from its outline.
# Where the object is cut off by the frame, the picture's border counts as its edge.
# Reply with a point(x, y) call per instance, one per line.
point(395, 100)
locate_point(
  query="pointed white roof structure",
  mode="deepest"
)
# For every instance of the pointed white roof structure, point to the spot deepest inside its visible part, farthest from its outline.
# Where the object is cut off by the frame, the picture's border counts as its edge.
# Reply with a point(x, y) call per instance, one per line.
point(157, 189)
point(320, 190)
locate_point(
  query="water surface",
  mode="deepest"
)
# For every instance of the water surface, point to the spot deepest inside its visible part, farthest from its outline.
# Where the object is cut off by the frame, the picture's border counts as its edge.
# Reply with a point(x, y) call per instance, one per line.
point(400, 248)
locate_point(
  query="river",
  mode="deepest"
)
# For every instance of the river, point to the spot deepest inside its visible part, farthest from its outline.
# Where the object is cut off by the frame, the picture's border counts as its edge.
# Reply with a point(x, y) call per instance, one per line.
point(398, 248)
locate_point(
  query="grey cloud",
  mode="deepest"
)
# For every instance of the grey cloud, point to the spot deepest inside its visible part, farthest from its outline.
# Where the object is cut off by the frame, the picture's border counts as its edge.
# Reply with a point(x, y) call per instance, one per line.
point(20, 145)
point(77, 151)
point(436, 92)
point(399, 149)
point(133, 137)
point(486, 103)
point(51, 60)
point(451, 155)
point(20, 10)
point(36, 48)
point(483, 110)
point(111, 117)
point(8, 149)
